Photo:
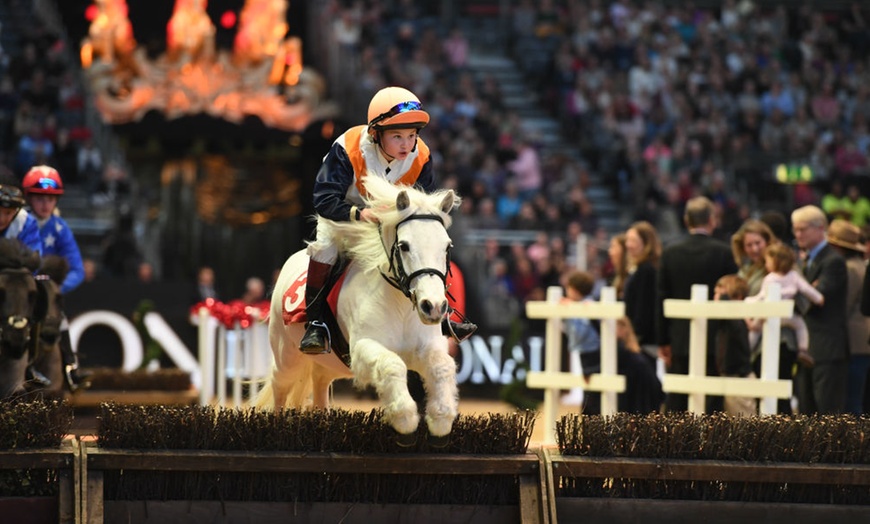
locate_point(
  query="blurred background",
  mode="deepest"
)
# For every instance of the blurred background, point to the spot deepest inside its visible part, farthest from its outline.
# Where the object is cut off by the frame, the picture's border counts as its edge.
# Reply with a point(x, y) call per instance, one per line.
point(189, 132)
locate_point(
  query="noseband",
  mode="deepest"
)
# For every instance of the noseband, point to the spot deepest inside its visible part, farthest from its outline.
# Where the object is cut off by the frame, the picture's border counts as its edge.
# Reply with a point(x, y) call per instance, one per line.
point(398, 277)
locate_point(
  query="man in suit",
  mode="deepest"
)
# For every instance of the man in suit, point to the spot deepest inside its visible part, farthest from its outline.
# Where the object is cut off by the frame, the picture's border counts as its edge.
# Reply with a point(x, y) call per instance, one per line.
point(697, 259)
point(822, 388)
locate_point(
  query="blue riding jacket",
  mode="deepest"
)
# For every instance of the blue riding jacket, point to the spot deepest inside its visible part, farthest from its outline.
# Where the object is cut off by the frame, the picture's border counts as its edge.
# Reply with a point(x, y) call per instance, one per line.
point(58, 239)
point(25, 228)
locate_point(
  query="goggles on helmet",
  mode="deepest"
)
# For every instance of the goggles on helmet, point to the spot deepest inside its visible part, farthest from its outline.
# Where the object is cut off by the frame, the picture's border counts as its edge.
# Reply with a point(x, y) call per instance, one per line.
point(45, 183)
point(397, 109)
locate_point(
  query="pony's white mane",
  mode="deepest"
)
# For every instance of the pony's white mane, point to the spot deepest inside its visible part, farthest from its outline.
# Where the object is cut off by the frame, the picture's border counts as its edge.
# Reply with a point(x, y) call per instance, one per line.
point(362, 240)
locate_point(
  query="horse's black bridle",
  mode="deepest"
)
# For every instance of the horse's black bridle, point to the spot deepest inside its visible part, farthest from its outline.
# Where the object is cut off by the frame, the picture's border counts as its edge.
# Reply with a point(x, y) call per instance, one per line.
point(398, 277)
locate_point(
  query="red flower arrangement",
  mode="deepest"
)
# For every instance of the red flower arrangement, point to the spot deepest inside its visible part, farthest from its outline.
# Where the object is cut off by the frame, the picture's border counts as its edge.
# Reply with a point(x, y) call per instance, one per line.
point(228, 314)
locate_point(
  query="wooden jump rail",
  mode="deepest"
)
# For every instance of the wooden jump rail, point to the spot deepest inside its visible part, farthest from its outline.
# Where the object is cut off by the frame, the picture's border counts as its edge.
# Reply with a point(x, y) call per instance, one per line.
point(64, 459)
point(527, 468)
point(609, 510)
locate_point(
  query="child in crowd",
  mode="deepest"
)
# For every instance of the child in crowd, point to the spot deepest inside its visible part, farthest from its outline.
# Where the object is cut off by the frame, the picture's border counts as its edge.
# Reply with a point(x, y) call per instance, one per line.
point(643, 390)
point(733, 353)
point(779, 261)
point(584, 342)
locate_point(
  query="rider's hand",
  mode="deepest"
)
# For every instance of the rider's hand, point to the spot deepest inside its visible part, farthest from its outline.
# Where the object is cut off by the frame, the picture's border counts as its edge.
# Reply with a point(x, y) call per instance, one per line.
point(367, 215)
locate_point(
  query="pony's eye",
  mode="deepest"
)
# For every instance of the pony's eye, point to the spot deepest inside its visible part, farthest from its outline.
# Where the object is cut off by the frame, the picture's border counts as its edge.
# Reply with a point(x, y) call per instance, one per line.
point(404, 247)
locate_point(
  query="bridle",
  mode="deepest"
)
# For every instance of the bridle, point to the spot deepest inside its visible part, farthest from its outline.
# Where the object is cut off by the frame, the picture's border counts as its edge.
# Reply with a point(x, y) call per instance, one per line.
point(398, 277)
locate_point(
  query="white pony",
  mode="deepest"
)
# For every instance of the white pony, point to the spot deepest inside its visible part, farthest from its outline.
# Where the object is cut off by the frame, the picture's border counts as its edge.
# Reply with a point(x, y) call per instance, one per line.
point(389, 309)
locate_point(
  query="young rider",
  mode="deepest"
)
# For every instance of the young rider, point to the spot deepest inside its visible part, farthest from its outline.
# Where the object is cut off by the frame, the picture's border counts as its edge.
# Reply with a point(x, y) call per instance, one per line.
point(388, 146)
point(43, 187)
point(16, 222)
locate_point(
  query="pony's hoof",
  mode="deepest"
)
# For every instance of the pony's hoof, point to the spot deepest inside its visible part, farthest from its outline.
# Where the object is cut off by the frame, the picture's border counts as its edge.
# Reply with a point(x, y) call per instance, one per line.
point(439, 442)
point(406, 440)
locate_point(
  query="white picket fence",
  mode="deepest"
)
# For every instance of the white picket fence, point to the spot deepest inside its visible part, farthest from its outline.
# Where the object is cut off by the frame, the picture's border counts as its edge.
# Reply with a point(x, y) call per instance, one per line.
point(241, 355)
point(552, 379)
point(696, 384)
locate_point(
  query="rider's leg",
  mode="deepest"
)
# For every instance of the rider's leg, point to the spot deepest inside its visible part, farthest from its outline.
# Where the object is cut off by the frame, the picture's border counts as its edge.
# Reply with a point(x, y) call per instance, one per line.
point(75, 379)
point(322, 255)
point(316, 338)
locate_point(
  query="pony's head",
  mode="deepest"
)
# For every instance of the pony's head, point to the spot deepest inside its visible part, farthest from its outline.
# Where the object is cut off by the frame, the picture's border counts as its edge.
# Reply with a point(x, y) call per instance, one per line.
point(20, 298)
point(412, 241)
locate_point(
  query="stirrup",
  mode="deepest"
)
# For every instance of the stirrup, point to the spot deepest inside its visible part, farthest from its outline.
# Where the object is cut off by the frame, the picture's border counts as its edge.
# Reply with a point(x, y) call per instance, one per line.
point(309, 343)
point(75, 380)
point(37, 377)
point(458, 331)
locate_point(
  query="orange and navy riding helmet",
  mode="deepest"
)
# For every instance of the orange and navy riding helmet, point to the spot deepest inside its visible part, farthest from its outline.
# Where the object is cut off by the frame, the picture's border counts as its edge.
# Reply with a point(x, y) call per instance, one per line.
point(42, 180)
point(396, 108)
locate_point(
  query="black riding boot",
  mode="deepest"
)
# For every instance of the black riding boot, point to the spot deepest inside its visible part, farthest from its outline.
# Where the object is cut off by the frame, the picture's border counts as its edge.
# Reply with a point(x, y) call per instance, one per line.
point(458, 330)
point(316, 339)
point(75, 379)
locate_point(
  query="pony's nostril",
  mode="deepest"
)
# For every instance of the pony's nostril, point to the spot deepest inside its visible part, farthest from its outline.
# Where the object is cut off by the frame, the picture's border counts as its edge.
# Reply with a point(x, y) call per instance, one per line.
point(426, 307)
point(443, 308)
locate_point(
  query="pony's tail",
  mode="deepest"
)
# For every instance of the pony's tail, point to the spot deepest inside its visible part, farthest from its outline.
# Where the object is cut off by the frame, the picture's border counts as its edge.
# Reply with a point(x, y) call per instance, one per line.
point(265, 400)
point(299, 393)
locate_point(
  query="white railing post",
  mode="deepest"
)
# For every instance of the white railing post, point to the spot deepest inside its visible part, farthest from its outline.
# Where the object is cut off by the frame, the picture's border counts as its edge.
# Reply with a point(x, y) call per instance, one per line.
point(205, 344)
point(238, 348)
point(698, 349)
point(221, 365)
point(608, 352)
point(552, 364)
point(770, 342)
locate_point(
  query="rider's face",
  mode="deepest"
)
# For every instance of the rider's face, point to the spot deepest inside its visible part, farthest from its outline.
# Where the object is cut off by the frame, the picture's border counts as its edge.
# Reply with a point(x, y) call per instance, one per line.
point(398, 143)
point(6, 216)
point(43, 205)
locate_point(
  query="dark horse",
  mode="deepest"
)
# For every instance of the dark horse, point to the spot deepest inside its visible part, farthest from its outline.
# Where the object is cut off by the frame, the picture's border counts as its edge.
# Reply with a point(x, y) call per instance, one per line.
point(46, 361)
point(23, 304)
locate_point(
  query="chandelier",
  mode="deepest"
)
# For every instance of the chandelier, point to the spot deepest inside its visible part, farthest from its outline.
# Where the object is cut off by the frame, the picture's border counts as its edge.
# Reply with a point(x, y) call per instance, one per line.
point(262, 75)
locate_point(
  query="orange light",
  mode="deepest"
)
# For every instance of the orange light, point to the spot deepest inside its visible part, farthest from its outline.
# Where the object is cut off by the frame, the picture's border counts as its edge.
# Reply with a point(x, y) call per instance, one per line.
point(327, 129)
point(87, 55)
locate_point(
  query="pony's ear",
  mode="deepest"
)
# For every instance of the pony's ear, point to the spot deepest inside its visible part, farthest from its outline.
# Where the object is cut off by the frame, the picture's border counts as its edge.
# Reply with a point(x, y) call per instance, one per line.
point(403, 201)
point(448, 202)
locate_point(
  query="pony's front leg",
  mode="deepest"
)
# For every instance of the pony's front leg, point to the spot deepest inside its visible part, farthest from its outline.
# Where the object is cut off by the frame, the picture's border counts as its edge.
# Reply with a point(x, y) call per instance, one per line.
point(373, 364)
point(442, 394)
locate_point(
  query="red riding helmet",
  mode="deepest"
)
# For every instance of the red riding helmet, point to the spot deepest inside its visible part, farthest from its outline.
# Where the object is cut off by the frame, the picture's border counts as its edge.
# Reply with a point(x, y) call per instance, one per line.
point(42, 180)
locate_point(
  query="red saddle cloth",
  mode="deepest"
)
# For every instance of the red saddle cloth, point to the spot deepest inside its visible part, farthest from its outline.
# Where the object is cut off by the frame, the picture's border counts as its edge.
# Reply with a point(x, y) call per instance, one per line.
point(294, 299)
